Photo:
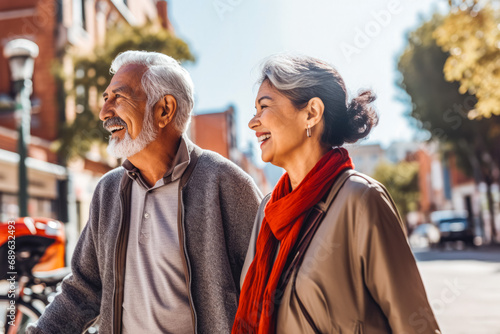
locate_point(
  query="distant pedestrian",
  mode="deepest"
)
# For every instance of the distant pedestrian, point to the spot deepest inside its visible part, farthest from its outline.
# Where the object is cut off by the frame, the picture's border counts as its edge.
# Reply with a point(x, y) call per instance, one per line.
point(328, 252)
point(165, 243)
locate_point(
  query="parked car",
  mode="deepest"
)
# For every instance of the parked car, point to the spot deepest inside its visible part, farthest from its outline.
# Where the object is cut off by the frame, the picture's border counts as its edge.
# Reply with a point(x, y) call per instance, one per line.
point(454, 226)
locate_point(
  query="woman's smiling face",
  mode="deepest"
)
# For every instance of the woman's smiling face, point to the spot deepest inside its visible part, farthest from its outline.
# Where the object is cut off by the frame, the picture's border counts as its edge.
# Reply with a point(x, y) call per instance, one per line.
point(279, 126)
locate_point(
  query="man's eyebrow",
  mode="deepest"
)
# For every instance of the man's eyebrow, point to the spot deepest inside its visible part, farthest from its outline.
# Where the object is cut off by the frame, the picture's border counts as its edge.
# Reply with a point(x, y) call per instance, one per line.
point(121, 89)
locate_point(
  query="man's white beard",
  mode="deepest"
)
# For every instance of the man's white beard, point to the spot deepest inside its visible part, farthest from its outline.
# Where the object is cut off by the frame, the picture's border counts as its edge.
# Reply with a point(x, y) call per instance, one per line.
point(127, 147)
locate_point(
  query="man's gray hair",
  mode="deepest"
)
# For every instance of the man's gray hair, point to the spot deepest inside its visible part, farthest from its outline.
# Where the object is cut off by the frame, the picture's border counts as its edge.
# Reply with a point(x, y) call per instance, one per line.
point(164, 76)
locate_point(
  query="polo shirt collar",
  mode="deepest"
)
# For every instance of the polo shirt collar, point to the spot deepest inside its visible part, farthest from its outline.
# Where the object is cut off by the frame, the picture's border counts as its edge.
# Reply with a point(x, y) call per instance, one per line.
point(181, 161)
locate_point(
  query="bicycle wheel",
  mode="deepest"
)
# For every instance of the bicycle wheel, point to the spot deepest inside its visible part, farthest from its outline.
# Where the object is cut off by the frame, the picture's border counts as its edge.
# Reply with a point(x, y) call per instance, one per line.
point(28, 313)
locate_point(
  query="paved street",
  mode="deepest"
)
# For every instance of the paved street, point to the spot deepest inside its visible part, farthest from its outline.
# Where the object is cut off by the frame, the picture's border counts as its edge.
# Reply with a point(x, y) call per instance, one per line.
point(463, 288)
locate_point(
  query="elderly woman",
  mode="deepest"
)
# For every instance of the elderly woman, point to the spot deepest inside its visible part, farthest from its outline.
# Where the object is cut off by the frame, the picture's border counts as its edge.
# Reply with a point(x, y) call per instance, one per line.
point(328, 252)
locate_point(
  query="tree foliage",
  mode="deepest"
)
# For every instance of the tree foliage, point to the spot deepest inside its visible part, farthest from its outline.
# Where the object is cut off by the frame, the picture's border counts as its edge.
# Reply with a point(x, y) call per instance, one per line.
point(91, 77)
point(470, 34)
point(438, 106)
point(401, 180)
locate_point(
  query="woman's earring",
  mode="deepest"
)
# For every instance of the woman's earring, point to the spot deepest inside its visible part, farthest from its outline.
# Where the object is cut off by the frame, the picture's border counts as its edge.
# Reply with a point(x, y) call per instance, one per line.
point(308, 130)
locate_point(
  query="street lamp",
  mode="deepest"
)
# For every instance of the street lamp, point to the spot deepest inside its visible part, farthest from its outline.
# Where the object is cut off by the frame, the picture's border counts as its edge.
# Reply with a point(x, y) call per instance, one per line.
point(21, 54)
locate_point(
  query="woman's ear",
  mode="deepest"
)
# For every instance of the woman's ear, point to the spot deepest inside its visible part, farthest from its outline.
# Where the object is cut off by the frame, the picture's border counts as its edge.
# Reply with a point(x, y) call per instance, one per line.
point(315, 109)
point(166, 109)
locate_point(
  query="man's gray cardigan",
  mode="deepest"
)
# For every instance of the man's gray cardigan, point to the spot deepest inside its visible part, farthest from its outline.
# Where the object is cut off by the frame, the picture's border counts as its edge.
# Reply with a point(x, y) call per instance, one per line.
point(217, 207)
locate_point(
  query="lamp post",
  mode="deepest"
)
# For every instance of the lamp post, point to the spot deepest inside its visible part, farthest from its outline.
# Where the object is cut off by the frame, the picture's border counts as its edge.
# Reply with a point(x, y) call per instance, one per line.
point(21, 54)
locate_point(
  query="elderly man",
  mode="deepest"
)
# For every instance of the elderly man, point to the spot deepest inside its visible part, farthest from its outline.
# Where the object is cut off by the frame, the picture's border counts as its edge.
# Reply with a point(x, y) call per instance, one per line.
point(168, 231)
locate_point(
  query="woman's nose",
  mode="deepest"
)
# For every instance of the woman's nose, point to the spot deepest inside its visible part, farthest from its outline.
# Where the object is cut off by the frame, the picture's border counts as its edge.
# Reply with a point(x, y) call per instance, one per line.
point(254, 122)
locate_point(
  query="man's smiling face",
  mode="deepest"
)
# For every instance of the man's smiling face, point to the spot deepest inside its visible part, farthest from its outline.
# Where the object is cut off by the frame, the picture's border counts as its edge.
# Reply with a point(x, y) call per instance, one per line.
point(125, 99)
point(124, 112)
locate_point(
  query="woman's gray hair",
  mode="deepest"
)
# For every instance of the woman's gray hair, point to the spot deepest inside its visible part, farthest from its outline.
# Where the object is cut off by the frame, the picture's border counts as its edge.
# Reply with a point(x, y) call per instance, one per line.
point(288, 72)
point(164, 76)
point(301, 78)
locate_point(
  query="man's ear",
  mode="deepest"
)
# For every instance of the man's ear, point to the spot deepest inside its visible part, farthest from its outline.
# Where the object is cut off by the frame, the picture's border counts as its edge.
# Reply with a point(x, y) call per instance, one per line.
point(166, 109)
point(315, 108)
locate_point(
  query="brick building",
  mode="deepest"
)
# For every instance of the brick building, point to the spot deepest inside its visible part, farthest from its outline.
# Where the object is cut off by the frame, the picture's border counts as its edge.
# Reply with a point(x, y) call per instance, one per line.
point(434, 187)
point(216, 131)
point(366, 157)
point(58, 191)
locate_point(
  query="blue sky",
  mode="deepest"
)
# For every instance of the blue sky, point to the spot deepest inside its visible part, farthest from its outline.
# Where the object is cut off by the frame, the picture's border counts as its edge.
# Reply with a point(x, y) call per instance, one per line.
point(361, 38)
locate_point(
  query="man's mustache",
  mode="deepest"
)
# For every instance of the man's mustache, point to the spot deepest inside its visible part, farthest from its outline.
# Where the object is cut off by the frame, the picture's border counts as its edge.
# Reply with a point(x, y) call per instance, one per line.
point(114, 121)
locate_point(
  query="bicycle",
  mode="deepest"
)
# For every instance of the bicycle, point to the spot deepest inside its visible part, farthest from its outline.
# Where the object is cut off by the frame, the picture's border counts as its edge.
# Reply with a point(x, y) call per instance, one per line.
point(35, 292)
point(32, 264)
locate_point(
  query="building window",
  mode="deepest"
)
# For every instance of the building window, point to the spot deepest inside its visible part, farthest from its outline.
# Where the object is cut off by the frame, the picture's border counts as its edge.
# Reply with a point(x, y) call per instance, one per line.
point(41, 207)
point(9, 208)
point(84, 19)
point(79, 19)
point(37, 207)
point(59, 11)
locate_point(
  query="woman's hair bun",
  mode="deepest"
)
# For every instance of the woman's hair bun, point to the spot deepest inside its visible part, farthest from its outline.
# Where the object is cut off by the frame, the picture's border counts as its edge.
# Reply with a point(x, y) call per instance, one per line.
point(362, 117)
point(301, 78)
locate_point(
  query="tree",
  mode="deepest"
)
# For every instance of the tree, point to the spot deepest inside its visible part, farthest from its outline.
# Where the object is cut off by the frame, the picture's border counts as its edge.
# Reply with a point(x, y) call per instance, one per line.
point(91, 77)
point(439, 108)
point(470, 34)
point(401, 180)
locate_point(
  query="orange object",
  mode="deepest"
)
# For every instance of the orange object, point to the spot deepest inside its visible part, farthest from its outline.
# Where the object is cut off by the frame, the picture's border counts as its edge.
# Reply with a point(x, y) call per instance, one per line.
point(28, 227)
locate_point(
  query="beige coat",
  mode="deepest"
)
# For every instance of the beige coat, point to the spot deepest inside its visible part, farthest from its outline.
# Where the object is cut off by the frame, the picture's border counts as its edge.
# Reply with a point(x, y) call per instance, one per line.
point(358, 274)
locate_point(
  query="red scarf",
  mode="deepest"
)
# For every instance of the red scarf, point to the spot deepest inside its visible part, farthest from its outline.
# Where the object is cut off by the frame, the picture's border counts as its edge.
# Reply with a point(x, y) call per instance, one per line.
point(284, 216)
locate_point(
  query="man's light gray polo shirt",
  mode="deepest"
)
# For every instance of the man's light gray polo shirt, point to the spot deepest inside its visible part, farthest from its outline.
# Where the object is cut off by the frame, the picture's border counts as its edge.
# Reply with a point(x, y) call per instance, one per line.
point(155, 293)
